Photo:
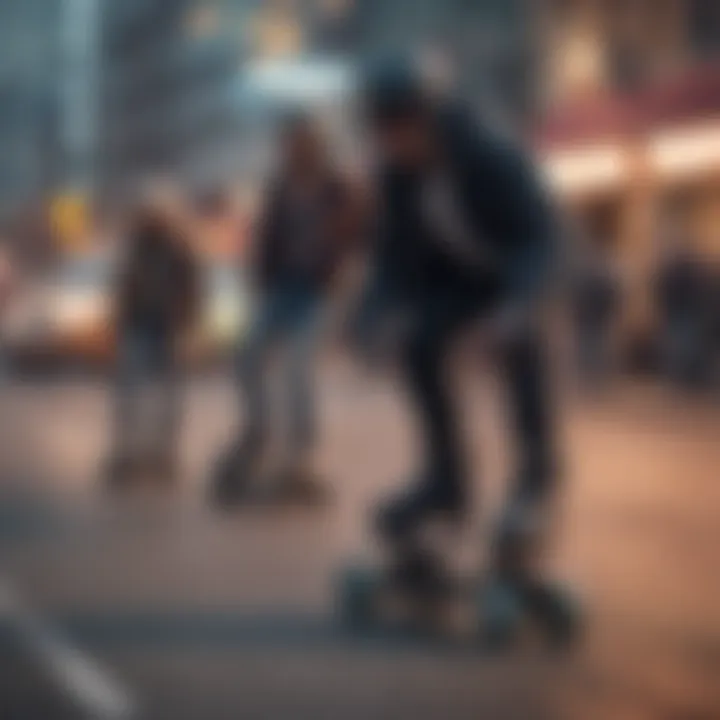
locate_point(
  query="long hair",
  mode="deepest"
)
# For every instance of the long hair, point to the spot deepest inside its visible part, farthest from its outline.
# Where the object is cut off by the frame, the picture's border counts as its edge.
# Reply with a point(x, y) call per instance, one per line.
point(149, 231)
point(299, 125)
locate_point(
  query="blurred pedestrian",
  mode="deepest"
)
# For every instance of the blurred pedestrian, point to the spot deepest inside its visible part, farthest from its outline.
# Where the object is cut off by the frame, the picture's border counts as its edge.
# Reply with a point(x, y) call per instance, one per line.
point(596, 301)
point(157, 300)
point(713, 323)
point(466, 236)
point(303, 233)
point(679, 284)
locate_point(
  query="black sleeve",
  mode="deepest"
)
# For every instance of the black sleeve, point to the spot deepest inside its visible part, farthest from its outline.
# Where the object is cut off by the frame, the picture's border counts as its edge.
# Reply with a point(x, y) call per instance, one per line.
point(380, 292)
point(386, 263)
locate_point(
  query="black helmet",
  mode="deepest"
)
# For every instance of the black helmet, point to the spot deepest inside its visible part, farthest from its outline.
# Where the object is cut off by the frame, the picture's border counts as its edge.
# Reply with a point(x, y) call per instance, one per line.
point(393, 89)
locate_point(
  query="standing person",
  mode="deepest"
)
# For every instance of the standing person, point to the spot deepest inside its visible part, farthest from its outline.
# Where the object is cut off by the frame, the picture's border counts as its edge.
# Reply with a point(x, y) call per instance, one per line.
point(595, 303)
point(715, 323)
point(466, 234)
point(156, 303)
point(710, 364)
point(679, 291)
point(305, 225)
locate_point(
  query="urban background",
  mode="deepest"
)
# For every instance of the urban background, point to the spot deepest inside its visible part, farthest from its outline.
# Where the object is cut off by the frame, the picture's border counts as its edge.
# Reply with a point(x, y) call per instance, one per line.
point(159, 605)
point(616, 99)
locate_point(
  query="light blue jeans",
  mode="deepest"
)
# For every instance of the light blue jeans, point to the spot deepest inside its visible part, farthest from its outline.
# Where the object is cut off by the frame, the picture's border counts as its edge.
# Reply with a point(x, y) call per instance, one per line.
point(147, 397)
point(289, 319)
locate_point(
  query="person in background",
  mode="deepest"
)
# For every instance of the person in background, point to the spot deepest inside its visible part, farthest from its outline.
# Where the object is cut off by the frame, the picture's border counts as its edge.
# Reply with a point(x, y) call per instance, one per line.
point(306, 226)
point(157, 300)
point(596, 303)
point(714, 334)
point(679, 294)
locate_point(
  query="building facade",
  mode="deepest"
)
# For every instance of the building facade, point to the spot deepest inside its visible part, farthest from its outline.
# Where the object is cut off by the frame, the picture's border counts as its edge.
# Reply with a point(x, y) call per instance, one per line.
point(143, 87)
point(631, 134)
point(183, 77)
point(30, 52)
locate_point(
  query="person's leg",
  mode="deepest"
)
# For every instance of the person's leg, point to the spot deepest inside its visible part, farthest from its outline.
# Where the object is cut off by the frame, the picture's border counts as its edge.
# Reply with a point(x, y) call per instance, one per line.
point(306, 330)
point(526, 371)
point(526, 518)
point(519, 582)
point(252, 366)
point(428, 385)
point(238, 464)
point(442, 485)
point(127, 392)
point(169, 399)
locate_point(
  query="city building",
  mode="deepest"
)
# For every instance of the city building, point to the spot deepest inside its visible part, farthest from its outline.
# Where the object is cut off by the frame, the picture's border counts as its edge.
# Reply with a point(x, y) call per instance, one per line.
point(30, 50)
point(48, 100)
point(632, 124)
point(143, 88)
point(188, 84)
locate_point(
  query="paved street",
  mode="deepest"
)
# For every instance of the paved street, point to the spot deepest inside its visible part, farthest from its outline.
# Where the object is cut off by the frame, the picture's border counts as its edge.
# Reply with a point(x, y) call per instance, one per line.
point(169, 610)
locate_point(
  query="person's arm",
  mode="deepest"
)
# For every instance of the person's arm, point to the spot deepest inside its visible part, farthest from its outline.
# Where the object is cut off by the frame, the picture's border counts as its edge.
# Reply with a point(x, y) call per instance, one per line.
point(265, 251)
point(125, 286)
point(379, 294)
point(191, 295)
point(522, 218)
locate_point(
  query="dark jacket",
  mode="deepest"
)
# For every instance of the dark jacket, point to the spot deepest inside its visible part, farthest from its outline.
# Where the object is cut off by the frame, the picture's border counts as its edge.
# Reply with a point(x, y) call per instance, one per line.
point(159, 284)
point(331, 233)
point(679, 287)
point(502, 203)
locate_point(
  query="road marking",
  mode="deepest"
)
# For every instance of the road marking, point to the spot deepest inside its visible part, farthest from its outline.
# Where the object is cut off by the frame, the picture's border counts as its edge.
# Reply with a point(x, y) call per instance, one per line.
point(89, 685)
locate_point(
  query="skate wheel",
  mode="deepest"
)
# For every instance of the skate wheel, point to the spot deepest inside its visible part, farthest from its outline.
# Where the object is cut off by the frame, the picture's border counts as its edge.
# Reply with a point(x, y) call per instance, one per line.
point(559, 614)
point(357, 597)
point(500, 613)
point(230, 482)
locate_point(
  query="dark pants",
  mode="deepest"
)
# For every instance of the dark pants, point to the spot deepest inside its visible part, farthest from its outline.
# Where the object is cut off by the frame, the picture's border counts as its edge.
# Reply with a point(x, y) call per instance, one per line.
point(146, 392)
point(438, 321)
